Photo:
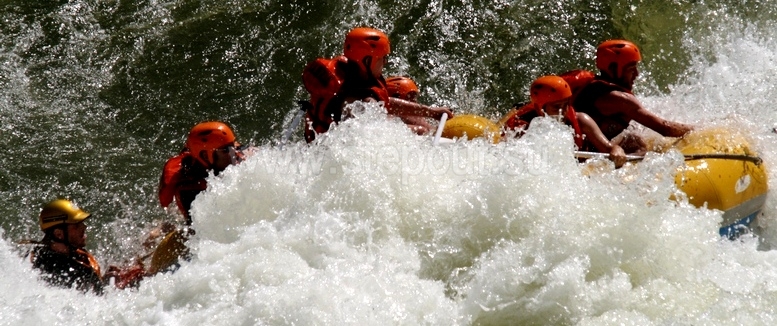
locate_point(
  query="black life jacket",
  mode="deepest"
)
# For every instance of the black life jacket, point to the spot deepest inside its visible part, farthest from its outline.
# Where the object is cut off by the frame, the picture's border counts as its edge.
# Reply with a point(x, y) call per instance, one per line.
point(78, 269)
point(611, 125)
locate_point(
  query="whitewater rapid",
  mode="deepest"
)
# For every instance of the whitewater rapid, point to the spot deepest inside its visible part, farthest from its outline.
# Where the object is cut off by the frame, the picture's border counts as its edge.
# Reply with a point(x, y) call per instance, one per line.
point(375, 226)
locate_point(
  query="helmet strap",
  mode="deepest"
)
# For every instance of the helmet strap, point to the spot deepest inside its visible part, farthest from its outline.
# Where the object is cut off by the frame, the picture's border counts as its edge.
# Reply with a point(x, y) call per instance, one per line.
point(612, 71)
point(538, 109)
point(614, 76)
point(51, 237)
point(207, 159)
point(62, 228)
point(367, 62)
point(233, 157)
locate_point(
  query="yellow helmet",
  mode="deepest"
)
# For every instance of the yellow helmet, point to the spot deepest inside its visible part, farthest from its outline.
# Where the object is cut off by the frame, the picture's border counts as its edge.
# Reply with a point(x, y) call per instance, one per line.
point(60, 211)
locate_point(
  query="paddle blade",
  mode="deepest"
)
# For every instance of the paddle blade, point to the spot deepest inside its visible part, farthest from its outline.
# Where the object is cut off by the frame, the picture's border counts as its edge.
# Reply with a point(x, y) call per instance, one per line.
point(170, 249)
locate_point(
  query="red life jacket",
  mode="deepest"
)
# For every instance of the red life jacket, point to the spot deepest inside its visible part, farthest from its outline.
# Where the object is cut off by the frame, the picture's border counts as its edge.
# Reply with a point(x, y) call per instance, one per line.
point(330, 83)
point(518, 118)
point(522, 117)
point(323, 79)
point(380, 92)
point(571, 119)
point(577, 79)
point(182, 179)
point(92, 262)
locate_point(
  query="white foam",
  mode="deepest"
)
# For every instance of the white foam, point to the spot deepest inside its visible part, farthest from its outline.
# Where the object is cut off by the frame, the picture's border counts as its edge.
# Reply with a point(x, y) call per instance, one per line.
point(373, 225)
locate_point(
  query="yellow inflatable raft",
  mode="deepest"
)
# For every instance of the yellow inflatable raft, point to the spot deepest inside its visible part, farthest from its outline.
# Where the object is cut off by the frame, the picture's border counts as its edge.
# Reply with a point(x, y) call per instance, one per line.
point(721, 170)
point(736, 183)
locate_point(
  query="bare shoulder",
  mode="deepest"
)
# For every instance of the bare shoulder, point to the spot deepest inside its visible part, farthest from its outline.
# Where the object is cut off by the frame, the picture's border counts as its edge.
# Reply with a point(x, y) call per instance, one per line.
point(617, 102)
point(583, 117)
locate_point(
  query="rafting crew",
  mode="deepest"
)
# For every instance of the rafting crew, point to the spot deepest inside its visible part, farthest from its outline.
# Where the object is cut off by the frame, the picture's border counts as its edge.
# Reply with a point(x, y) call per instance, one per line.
point(61, 256)
point(550, 96)
point(598, 109)
point(608, 98)
point(357, 75)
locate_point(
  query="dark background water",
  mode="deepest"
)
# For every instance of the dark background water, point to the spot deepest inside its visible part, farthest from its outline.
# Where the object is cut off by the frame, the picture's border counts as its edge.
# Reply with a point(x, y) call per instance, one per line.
point(96, 94)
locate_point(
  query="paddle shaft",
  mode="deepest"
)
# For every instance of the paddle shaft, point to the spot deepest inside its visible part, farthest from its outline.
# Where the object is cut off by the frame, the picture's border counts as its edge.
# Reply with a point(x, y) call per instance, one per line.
point(440, 127)
point(632, 158)
point(292, 125)
point(629, 158)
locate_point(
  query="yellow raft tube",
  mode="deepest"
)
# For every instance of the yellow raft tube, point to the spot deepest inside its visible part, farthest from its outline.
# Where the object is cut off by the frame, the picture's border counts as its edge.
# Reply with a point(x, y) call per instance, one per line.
point(736, 186)
point(471, 126)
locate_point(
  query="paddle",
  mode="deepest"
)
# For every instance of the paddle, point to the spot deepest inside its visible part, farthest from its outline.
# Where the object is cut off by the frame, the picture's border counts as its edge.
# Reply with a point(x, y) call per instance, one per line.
point(294, 123)
point(633, 158)
point(440, 127)
point(168, 251)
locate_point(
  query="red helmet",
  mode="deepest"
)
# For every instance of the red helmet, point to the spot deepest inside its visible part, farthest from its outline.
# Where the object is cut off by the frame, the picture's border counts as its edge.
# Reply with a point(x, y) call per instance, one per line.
point(619, 52)
point(209, 136)
point(364, 42)
point(547, 89)
point(402, 87)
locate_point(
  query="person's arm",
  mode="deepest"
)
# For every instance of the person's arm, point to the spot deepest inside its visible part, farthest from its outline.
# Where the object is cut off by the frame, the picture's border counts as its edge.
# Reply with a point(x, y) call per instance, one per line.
point(627, 104)
point(401, 107)
point(512, 122)
point(126, 276)
point(592, 132)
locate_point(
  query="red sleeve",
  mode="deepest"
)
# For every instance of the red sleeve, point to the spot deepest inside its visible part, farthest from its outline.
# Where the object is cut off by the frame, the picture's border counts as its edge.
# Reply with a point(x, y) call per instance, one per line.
point(514, 123)
point(381, 93)
point(168, 183)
